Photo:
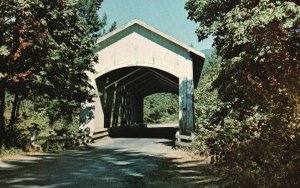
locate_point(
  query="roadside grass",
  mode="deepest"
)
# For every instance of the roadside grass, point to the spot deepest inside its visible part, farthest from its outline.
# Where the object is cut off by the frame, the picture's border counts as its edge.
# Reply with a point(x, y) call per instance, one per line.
point(10, 152)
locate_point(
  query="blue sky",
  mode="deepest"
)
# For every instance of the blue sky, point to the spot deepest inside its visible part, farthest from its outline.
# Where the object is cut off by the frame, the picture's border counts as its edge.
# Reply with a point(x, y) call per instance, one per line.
point(169, 16)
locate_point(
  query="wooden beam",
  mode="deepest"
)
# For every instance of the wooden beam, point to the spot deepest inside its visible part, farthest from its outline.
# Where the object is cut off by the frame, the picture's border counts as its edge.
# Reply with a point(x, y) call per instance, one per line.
point(142, 82)
point(131, 81)
point(164, 80)
point(118, 80)
point(163, 77)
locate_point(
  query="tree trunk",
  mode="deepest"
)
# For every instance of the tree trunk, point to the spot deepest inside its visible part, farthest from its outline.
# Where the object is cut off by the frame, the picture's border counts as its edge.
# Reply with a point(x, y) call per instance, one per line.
point(2, 110)
point(18, 107)
point(13, 119)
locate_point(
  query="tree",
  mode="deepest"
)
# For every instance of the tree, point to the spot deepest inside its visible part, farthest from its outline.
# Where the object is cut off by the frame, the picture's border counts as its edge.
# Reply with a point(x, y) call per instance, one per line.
point(258, 86)
point(45, 52)
point(70, 55)
point(6, 22)
point(94, 24)
point(207, 104)
point(21, 53)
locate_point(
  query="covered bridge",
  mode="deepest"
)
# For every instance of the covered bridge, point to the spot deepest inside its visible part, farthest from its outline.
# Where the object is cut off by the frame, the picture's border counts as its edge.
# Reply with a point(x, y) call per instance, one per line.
point(137, 60)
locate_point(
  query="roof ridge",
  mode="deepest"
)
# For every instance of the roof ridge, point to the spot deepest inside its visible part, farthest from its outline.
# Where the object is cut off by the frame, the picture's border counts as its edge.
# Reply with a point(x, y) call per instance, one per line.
point(153, 29)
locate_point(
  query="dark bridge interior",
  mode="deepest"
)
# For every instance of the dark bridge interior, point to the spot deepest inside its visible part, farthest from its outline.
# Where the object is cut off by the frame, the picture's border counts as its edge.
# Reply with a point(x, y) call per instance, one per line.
point(122, 92)
point(141, 132)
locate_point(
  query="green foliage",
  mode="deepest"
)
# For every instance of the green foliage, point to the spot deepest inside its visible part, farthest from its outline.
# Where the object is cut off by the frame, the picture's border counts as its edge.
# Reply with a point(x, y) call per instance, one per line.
point(88, 11)
point(255, 129)
point(207, 104)
point(45, 52)
point(11, 151)
point(161, 107)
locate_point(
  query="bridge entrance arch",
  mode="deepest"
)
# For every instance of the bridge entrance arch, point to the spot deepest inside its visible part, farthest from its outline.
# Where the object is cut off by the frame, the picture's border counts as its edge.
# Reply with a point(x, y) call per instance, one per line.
point(137, 60)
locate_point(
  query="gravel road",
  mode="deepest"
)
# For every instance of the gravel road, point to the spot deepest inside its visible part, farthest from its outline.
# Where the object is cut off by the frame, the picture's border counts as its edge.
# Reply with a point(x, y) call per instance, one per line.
point(118, 162)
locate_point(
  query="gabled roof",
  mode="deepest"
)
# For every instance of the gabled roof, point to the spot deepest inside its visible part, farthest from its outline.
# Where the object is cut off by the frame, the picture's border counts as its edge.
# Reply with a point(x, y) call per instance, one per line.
point(154, 30)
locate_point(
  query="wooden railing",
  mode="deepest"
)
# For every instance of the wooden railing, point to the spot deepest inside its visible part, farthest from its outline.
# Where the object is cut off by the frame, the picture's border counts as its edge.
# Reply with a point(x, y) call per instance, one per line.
point(81, 137)
point(84, 135)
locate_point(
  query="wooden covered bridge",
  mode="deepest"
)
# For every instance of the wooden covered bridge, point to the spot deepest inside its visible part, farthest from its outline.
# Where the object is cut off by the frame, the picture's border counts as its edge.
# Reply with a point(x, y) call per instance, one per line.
point(135, 61)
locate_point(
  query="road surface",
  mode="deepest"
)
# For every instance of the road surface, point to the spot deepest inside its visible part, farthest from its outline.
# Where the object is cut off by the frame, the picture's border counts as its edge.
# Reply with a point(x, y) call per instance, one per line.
point(118, 162)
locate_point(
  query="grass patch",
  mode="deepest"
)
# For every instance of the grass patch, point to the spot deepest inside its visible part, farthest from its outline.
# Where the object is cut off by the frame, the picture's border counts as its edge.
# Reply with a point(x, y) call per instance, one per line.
point(10, 152)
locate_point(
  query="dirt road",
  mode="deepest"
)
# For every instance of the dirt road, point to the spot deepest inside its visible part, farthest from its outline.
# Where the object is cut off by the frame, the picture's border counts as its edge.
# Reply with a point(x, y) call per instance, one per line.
point(118, 162)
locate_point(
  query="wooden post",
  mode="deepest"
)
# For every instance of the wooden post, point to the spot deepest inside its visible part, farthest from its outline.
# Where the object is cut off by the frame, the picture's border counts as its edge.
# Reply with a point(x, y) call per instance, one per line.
point(186, 106)
point(108, 109)
point(116, 109)
point(190, 127)
point(122, 110)
point(140, 110)
point(133, 110)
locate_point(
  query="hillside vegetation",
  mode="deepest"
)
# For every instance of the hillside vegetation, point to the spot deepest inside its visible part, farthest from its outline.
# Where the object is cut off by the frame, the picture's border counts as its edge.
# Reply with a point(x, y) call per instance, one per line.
point(161, 108)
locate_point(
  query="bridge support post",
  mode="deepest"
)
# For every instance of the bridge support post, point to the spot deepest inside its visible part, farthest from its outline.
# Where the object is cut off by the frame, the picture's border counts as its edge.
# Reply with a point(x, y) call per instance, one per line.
point(139, 110)
point(108, 108)
point(186, 106)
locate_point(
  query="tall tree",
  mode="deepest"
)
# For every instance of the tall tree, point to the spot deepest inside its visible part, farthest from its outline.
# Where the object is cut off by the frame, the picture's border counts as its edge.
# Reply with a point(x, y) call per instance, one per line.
point(259, 81)
point(7, 12)
point(21, 55)
point(45, 52)
point(89, 11)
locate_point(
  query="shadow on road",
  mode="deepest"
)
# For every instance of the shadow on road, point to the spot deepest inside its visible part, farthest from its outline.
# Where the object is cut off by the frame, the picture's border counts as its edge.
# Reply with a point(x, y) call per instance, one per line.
point(84, 167)
point(103, 167)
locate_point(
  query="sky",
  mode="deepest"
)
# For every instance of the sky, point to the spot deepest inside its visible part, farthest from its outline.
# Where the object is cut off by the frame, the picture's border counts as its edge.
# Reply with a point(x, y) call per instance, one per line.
point(169, 16)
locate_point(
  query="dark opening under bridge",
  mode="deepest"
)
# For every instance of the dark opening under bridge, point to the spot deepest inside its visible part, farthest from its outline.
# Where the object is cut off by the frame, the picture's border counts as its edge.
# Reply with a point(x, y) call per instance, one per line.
point(135, 61)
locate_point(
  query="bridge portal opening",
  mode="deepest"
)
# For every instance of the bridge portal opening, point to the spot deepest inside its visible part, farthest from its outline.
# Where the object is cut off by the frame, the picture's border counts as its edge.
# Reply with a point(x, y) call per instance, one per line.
point(122, 93)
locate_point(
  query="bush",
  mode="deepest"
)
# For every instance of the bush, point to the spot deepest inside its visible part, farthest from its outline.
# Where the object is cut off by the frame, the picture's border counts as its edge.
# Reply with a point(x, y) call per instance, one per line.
point(253, 147)
point(11, 151)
